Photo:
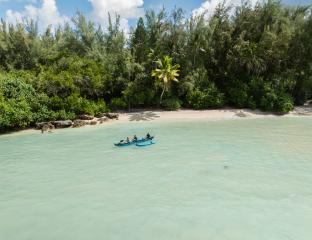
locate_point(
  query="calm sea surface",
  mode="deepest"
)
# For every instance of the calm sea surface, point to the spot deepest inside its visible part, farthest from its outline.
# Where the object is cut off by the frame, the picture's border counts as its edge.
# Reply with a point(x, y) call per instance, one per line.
point(219, 180)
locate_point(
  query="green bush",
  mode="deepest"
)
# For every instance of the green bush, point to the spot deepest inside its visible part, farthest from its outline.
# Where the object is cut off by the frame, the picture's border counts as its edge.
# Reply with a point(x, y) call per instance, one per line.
point(171, 104)
point(80, 105)
point(197, 78)
point(284, 103)
point(271, 97)
point(87, 107)
point(63, 115)
point(197, 99)
point(101, 107)
point(141, 98)
point(238, 94)
point(20, 105)
point(43, 115)
point(267, 102)
point(277, 102)
point(117, 104)
point(210, 98)
point(57, 103)
point(251, 103)
point(15, 114)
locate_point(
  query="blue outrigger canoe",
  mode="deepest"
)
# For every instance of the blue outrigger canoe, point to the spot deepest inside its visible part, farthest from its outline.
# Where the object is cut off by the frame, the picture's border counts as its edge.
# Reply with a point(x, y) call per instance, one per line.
point(139, 141)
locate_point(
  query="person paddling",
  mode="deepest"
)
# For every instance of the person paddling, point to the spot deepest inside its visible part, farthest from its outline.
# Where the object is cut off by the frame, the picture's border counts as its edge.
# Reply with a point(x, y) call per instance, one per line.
point(135, 138)
point(148, 136)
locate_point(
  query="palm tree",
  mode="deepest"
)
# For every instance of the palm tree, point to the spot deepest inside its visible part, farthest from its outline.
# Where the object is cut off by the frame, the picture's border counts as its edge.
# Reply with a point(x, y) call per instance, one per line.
point(166, 72)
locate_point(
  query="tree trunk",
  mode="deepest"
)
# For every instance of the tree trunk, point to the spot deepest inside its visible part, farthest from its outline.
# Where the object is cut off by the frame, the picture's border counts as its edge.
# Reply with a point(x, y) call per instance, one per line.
point(129, 105)
point(161, 96)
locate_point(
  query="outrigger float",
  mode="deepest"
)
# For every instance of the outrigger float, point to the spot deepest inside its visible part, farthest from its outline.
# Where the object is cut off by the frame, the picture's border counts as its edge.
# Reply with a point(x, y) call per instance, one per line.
point(145, 144)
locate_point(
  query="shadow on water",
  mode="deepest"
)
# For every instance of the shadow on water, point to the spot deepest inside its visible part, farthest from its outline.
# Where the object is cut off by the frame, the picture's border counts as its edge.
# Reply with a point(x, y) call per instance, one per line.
point(143, 116)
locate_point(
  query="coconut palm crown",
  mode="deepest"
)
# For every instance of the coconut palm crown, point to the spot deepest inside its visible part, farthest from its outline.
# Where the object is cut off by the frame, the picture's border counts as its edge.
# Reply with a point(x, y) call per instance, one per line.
point(165, 73)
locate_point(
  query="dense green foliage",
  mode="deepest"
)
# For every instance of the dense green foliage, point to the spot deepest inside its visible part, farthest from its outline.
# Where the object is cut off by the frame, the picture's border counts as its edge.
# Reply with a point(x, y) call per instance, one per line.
point(257, 57)
point(171, 104)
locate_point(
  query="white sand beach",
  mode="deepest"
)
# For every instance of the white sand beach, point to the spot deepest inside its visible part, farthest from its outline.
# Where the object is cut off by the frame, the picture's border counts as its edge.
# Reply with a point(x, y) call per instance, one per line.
point(220, 114)
point(153, 115)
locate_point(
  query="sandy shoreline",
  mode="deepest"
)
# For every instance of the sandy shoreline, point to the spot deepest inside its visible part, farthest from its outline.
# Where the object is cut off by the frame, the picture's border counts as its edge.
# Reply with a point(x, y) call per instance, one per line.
point(189, 115)
point(186, 115)
point(219, 114)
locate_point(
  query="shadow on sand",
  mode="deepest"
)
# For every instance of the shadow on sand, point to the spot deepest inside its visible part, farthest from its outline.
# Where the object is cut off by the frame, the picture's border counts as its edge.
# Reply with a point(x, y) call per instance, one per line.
point(305, 110)
point(142, 116)
point(247, 112)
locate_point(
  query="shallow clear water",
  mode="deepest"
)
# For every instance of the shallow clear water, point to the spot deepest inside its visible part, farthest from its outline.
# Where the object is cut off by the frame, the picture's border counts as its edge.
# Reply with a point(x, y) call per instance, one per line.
point(233, 179)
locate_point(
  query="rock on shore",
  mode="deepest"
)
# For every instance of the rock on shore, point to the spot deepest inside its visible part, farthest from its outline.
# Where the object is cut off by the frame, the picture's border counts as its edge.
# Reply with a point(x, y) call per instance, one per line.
point(62, 124)
point(112, 115)
point(81, 121)
point(103, 120)
point(85, 117)
point(46, 126)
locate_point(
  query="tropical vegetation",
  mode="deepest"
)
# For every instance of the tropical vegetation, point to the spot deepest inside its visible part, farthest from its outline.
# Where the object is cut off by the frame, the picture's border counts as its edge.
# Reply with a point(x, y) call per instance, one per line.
point(166, 72)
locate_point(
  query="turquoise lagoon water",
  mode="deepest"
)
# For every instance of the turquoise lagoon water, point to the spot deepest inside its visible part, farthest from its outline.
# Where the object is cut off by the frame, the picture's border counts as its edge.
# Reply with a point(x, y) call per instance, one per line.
point(232, 179)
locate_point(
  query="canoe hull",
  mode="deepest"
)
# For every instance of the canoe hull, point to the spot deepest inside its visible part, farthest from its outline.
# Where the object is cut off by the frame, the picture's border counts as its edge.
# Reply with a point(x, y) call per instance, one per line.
point(133, 142)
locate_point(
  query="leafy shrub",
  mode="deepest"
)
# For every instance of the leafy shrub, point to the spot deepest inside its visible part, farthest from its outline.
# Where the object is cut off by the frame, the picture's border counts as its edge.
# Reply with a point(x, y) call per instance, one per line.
point(137, 93)
point(75, 103)
point(56, 83)
point(198, 78)
point(57, 103)
point(43, 115)
point(251, 103)
point(238, 93)
point(268, 101)
point(171, 104)
point(277, 102)
point(20, 104)
point(101, 107)
point(284, 103)
point(80, 105)
point(118, 104)
point(87, 107)
point(272, 95)
point(197, 99)
point(63, 115)
point(15, 114)
point(209, 98)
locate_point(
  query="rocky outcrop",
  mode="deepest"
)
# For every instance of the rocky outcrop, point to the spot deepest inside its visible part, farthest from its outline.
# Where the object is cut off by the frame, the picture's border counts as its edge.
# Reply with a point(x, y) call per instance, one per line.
point(45, 126)
point(85, 117)
point(93, 123)
point(241, 114)
point(100, 115)
point(103, 120)
point(112, 115)
point(62, 124)
point(79, 123)
point(40, 125)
